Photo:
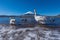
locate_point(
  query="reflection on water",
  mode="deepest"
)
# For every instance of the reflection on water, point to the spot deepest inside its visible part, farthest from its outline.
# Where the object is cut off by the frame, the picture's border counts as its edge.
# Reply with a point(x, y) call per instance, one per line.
point(32, 33)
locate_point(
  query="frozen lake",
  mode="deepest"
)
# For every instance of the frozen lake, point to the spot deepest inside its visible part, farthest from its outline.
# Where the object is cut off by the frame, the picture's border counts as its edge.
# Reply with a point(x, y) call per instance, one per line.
point(36, 33)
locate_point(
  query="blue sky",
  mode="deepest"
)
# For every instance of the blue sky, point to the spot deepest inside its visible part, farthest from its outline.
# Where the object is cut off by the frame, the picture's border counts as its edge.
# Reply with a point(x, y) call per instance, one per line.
point(18, 7)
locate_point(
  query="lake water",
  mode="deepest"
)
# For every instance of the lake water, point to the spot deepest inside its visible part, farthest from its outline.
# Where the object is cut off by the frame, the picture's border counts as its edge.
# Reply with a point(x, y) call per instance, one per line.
point(6, 20)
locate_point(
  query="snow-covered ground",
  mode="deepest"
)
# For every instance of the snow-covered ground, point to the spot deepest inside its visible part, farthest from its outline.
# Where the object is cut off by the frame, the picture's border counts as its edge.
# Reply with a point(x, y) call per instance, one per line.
point(37, 33)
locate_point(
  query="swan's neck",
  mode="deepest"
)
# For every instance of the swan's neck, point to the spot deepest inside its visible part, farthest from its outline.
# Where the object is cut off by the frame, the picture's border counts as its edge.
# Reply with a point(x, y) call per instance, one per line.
point(34, 12)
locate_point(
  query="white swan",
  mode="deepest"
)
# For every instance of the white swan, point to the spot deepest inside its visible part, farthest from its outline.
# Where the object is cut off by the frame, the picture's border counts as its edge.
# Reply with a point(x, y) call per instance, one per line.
point(40, 19)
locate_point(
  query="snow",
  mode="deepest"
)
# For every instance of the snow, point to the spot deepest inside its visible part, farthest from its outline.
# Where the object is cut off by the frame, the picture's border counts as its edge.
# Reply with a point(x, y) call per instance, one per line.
point(28, 34)
point(32, 34)
point(29, 12)
point(27, 38)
